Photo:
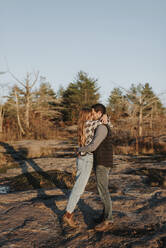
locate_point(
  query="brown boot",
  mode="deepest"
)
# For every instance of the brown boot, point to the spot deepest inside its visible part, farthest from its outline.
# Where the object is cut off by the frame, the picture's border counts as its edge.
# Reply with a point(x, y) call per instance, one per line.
point(68, 219)
point(104, 226)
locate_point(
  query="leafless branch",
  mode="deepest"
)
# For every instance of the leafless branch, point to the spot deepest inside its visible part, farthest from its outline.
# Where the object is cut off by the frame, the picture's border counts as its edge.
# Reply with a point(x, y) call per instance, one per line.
point(36, 78)
point(16, 79)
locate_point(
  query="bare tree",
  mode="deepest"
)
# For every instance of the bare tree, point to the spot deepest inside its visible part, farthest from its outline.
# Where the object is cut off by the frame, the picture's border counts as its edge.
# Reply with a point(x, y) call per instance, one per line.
point(18, 115)
point(27, 85)
point(1, 108)
point(1, 118)
point(138, 107)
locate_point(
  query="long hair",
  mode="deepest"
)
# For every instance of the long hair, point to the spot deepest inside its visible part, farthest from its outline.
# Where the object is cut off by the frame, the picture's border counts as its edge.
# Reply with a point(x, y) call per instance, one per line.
point(84, 115)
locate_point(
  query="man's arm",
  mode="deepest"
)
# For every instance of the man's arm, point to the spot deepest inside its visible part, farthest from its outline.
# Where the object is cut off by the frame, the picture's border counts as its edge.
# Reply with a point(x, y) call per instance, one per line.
point(100, 135)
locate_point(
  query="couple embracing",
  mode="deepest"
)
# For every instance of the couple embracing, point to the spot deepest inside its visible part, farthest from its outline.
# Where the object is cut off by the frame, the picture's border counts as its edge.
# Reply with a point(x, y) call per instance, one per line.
point(95, 151)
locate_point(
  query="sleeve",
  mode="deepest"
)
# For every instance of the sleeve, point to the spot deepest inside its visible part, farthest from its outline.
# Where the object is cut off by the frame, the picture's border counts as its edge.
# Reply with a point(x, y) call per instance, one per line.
point(100, 135)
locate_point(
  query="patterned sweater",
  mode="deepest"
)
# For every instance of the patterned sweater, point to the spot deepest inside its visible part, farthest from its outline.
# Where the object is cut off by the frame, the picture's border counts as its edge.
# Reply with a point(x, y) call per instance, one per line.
point(90, 127)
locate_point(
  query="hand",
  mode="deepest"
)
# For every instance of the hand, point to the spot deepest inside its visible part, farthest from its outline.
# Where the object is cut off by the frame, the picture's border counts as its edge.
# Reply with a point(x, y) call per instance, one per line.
point(76, 153)
point(104, 119)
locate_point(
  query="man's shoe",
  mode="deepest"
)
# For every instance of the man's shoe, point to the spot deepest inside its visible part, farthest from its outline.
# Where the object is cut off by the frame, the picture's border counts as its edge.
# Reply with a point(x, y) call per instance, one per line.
point(104, 226)
point(68, 219)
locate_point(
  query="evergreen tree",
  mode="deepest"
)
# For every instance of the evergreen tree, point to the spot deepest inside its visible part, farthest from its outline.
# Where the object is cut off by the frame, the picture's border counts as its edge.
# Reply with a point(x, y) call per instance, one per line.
point(117, 103)
point(10, 104)
point(87, 88)
point(150, 99)
point(45, 101)
point(83, 92)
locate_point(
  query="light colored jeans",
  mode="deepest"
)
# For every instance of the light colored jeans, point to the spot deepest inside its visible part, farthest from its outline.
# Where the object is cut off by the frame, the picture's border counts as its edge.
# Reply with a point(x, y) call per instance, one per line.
point(84, 168)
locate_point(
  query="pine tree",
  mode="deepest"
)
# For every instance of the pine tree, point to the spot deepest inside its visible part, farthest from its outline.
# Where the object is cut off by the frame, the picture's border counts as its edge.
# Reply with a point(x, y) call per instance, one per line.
point(151, 101)
point(117, 103)
point(83, 92)
point(45, 101)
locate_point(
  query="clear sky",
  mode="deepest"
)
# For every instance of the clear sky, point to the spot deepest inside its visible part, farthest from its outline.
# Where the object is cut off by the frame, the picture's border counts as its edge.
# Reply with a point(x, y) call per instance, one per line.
point(115, 41)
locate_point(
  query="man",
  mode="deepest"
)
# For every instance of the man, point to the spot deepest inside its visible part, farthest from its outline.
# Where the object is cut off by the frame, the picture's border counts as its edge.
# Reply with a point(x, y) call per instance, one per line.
point(101, 145)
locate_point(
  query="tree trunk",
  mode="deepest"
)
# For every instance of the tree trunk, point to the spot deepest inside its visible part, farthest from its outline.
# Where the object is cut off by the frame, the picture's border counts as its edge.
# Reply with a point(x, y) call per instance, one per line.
point(1, 119)
point(136, 145)
point(27, 102)
point(140, 117)
point(151, 120)
point(18, 116)
point(27, 108)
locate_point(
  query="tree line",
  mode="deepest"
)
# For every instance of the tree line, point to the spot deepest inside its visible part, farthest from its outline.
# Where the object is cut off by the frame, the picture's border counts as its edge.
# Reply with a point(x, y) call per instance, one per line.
point(39, 113)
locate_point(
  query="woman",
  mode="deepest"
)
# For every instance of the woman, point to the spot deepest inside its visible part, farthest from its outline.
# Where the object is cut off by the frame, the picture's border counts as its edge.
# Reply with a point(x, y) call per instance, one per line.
point(84, 162)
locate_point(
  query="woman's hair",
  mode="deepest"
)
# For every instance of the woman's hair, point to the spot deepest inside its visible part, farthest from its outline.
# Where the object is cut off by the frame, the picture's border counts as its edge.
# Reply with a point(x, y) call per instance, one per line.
point(84, 115)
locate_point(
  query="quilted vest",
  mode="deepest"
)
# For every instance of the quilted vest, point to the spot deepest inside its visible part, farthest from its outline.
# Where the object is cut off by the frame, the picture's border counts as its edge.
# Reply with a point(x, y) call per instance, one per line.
point(104, 153)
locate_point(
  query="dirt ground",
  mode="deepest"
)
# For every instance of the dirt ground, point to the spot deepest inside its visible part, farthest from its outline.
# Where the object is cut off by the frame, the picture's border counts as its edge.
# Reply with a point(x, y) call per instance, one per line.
point(31, 212)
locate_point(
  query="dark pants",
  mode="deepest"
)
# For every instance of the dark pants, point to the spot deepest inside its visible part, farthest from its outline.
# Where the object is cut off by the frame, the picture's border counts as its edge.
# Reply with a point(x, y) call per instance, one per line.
point(102, 179)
